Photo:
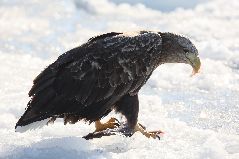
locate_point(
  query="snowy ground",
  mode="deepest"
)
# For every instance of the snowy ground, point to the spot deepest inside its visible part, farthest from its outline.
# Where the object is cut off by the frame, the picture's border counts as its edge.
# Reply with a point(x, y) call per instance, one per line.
point(199, 114)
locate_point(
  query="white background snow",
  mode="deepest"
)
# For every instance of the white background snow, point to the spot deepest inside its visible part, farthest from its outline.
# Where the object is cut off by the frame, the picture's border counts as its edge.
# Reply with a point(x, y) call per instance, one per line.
point(199, 114)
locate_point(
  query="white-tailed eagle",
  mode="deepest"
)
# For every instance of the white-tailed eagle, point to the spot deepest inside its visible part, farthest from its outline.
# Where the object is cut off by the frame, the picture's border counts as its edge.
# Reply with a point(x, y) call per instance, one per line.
point(104, 74)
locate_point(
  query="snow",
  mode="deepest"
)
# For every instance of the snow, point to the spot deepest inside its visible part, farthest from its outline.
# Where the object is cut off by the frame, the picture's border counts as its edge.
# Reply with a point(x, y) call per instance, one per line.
point(168, 5)
point(198, 114)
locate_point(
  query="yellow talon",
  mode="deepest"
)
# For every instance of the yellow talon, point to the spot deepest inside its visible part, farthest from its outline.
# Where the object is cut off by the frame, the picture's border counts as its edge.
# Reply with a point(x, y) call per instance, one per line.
point(142, 129)
point(111, 124)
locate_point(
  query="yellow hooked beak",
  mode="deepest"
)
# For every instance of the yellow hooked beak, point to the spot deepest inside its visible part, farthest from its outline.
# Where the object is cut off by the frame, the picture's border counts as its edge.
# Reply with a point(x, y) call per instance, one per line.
point(195, 62)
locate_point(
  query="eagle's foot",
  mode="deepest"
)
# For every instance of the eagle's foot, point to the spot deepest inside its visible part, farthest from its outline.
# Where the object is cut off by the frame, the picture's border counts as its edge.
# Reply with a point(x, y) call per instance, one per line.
point(110, 124)
point(113, 127)
point(104, 129)
point(154, 134)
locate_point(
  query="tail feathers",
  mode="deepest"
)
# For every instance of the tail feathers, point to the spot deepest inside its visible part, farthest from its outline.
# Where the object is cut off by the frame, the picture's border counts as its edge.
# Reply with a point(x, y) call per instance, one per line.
point(29, 120)
point(33, 125)
point(36, 114)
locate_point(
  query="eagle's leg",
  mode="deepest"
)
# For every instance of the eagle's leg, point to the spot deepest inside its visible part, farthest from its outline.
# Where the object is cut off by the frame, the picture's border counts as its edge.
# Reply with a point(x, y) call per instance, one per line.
point(129, 107)
point(111, 124)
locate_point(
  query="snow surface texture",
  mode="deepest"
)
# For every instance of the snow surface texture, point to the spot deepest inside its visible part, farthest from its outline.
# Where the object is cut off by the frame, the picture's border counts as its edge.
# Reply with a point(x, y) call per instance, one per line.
point(199, 114)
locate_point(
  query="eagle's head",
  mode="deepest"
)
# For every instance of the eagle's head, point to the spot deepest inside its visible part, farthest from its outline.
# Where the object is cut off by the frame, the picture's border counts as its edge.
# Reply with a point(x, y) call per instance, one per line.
point(179, 49)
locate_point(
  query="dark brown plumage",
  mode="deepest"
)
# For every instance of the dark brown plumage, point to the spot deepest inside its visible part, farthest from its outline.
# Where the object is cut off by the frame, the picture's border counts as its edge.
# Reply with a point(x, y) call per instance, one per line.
point(105, 73)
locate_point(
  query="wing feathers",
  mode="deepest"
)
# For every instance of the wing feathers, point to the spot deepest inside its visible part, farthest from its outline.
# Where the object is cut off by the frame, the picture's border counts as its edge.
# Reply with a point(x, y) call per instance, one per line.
point(40, 86)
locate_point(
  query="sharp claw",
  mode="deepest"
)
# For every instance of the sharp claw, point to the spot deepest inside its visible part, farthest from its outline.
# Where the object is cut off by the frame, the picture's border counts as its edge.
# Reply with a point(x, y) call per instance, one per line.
point(158, 137)
point(117, 120)
point(117, 124)
point(160, 134)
